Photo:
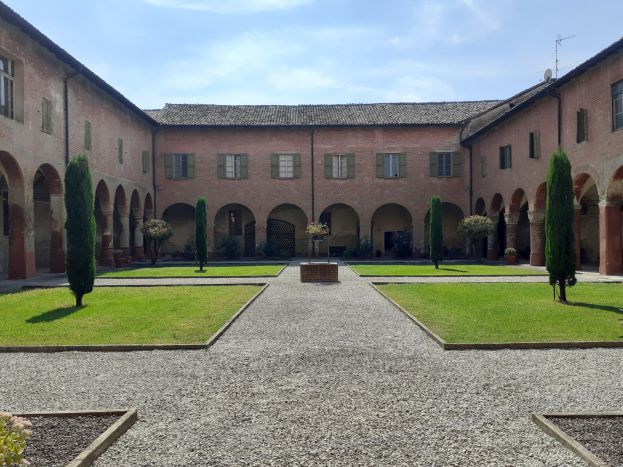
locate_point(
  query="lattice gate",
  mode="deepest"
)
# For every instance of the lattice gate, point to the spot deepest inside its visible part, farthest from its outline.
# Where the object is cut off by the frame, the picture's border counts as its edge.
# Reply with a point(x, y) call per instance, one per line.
point(249, 239)
point(281, 234)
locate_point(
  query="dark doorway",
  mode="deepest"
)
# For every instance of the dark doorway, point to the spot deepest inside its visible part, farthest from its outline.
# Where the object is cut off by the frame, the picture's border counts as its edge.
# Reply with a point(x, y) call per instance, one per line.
point(249, 239)
point(281, 234)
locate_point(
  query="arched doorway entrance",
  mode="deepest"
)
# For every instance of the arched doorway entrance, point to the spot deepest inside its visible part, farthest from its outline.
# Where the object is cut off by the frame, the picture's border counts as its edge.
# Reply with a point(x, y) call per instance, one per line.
point(48, 222)
point(104, 225)
point(587, 226)
point(343, 222)
point(518, 225)
point(390, 223)
point(136, 223)
point(611, 246)
point(236, 220)
point(181, 216)
point(496, 241)
point(453, 246)
point(285, 230)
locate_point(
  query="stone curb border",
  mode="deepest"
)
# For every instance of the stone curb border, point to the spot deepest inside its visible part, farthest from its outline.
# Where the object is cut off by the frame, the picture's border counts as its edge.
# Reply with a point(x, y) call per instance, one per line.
point(536, 274)
point(135, 347)
point(568, 441)
point(102, 442)
point(263, 276)
point(209, 284)
point(494, 345)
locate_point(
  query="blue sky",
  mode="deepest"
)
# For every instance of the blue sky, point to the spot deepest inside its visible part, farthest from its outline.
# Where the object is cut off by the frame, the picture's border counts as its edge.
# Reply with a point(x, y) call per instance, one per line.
point(323, 51)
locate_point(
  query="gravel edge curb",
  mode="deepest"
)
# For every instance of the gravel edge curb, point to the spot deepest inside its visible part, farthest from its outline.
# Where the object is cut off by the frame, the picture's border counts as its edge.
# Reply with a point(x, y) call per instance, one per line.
point(568, 441)
point(260, 276)
point(136, 347)
point(103, 441)
point(211, 284)
point(497, 345)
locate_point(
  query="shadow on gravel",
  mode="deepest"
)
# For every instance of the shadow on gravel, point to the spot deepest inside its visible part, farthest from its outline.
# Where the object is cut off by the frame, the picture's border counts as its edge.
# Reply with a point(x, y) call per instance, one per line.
point(53, 315)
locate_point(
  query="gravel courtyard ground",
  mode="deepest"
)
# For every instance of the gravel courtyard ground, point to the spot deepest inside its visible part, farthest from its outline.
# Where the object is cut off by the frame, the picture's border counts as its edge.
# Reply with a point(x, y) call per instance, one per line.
point(323, 374)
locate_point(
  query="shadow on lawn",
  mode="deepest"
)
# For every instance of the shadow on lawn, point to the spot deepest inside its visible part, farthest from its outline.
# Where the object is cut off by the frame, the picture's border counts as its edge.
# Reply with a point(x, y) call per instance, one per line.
point(53, 315)
point(452, 269)
point(592, 306)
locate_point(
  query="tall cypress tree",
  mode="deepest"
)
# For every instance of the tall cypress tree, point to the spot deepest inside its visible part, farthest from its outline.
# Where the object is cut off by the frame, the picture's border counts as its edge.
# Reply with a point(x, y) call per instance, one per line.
point(80, 226)
point(560, 242)
point(201, 232)
point(436, 231)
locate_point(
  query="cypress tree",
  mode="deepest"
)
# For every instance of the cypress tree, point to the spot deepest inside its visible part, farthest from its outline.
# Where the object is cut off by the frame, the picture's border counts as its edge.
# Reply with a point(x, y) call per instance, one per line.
point(436, 231)
point(80, 226)
point(560, 242)
point(201, 232)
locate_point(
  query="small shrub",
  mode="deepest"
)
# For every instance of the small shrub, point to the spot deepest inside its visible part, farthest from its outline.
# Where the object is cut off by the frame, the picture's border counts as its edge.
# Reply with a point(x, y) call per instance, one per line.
point(269, 248)
point(230, 247)
point(474, 228)
point(402, 244)
point(157, 231)
point(510, 252)
point(13, 434)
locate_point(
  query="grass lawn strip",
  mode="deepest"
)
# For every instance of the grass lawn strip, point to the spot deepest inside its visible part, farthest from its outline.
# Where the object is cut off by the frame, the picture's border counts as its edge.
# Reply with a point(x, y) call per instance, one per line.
point(420, 270)
point(120, 315)
point(147, 272)
point(513, 313)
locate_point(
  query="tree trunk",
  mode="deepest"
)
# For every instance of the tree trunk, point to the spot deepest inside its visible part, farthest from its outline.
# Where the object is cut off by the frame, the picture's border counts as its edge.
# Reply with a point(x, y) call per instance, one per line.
point(201, 266)
point(78, 301)
point(563, 292)
point(436, 264)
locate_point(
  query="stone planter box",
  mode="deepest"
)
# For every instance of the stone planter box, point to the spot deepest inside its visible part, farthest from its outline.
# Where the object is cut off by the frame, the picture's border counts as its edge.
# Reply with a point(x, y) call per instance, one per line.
point(319, 272)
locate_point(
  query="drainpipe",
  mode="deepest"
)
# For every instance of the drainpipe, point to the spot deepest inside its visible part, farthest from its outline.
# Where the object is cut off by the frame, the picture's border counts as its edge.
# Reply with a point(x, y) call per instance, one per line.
point(313, 192)
point(153, 168)
point(471, 182)
point(558, 98)
point(66, 110)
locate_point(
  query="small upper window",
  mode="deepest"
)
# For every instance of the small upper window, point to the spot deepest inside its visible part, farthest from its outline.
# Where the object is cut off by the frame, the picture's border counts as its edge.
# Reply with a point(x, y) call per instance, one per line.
point(87, 135)
point(534, 145)
point(120, 150)
point(232, 166)
point(445, 164)
point(181, 166)
point(286, 166)
point(483, 166)
point(340, 166)
point(145, 161)
point(582, 125)
point(7, 78)
point(617, 105)
point(46, 116)
point(391, 166)
point(505, 157)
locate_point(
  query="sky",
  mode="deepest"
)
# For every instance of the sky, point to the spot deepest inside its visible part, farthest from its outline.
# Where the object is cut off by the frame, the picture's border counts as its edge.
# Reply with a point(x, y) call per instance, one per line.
point(323, 51)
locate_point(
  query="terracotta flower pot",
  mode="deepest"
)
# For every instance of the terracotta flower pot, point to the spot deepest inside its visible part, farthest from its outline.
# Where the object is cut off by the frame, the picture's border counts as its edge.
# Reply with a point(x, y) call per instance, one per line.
point(511, 259)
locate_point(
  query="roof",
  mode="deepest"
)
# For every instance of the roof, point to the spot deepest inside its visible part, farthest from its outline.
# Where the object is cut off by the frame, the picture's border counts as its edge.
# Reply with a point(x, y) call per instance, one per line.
point(428, 113)
point(11, 17)
point(546, 89)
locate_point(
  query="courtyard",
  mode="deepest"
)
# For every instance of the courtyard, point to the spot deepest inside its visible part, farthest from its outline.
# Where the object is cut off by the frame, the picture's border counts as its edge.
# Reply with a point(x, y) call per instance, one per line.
point(325, 374)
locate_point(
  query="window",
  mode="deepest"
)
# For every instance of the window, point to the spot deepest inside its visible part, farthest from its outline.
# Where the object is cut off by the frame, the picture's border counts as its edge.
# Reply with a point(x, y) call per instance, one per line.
point(391, 165)
point(617, 105)
point(483, 166)
point(5, 213)
point(286, 166)
point(505, 157)
point(235, 222)
point(232, 166)
point(534, 145)
point(145, 161)
point(445, 164)
point(7, 78)
point(87, 135)
point(582, 126)
point(179, 166)
point(120, 150)
point(339, 165)
point(46, 116)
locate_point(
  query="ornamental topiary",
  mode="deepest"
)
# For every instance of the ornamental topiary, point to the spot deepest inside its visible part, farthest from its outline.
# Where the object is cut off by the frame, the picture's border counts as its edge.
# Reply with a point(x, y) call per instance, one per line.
point(80, 226)
point(156, 231)
point(14, 431)
point(475, 228)
point(436, 231)
point(201, 232)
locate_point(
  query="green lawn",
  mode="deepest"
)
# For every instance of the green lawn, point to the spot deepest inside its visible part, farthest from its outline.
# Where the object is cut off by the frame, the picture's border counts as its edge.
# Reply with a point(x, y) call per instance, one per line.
point(444, 270)
point(464, 313)
point(193, 271)
point(119, 315)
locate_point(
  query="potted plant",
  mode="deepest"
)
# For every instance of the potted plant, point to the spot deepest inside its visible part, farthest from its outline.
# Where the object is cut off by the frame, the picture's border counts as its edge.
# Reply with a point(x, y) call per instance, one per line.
point(317, 231)
point(510, 255)
point(318, 272)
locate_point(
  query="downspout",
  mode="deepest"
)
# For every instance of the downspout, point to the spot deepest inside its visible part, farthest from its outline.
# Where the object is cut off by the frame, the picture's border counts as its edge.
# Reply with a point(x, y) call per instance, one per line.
point(66, 110)
point(559, 116)
point(313, 189)
point(153, 168)
point(471, 182)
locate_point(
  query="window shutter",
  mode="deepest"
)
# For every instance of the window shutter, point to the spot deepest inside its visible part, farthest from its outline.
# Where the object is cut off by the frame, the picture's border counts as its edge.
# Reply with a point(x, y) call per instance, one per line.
point(168, 165)
point(510, 157)
point(456, 164)
point(380, 165)
point(402, 165)
point(328, 166)
point(191, 165)
point(350, 164)
point(274, 166)
point(145, 160)
point(433, 164)
point(502, 161)
point(537, 144)
point(244, 166)
point(296, 158)
point(220, 166)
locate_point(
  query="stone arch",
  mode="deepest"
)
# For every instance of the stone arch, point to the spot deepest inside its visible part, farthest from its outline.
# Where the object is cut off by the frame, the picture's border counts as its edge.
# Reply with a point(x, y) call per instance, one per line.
point(136, 223)
point(235, 219)
point(181, 216)
point(497, 203)
point(15, 259)
point(104, 225)
point(388, 221)
point(518, 224)
point(343, 222)
point(480, 208)
point(48, 219)
point(587, 221)
point(285, 229)
point(496, 241)
point(453, 246)
point(611, 212)
point(121, 227)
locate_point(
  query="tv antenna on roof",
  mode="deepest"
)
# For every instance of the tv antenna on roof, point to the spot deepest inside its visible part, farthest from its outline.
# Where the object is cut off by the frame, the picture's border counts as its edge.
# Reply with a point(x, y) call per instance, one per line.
point(559, 40)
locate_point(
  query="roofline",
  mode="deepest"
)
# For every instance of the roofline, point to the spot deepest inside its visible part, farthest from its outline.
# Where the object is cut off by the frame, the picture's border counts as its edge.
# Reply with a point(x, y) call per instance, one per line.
point(11, 17)
point(169, 126)
point(547, 90)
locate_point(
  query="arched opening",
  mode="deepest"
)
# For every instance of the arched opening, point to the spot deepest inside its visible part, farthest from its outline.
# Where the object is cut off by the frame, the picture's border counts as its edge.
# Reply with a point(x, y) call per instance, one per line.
point(496, 242)
point(518, 225)
point(135, 223)
point(452, 245)
point(480, 208)
point(536, 218)
point(236, 220)
point(120, 222)
point(343, 222)
point(611, 247)
point(390, 223)
point(148, 213)
point(48, 223)
point(181, 216)
point(103, 225)
point(587, 228)
point(285, 230)
point(15, 261)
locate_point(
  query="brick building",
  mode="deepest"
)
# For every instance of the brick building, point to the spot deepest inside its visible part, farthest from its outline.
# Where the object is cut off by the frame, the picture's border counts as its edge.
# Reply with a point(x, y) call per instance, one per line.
point(368, 170)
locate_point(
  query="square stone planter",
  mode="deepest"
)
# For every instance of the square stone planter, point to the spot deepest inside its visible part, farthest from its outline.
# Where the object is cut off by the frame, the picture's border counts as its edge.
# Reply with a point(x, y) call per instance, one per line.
point(319, 272)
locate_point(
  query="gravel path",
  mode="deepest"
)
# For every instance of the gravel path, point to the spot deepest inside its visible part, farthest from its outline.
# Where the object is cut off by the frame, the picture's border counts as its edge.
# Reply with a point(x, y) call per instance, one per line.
point(324, 374)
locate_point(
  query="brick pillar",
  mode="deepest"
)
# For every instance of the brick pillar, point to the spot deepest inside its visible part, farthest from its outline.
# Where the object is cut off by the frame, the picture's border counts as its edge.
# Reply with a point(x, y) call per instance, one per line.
point(57, 255)
point(492, 239)
point(511, 229)
point(260, 236)
point(577, 222)
point(609, 238)
point(139, 251)
point(107, 256)
point(537, 238)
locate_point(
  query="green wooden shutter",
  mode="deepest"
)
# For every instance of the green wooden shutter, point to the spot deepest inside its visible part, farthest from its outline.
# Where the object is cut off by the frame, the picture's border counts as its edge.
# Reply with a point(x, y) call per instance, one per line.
point(380, 165)
point(510, 156)
point(328, 166)
point(274, 166)
point(537, 144)
point(191, 165)
point(244, 166)
point(297, 165)
point(433, 164)
point(456, 164)
point(350, 163)
point(168, 165)
point(220, 166)
point(402, 165)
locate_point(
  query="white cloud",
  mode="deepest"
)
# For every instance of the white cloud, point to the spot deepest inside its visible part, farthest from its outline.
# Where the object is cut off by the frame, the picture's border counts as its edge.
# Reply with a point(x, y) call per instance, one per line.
point(230, 6)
